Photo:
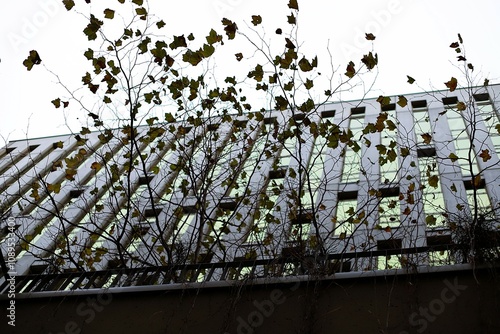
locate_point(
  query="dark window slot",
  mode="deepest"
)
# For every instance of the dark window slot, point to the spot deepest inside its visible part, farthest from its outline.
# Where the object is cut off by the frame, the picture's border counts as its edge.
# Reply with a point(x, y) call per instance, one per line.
point(452, 100)
point(277, 174)
point(482, 97)
point(419, 104)
point(389, 107)
point(143, 180)
point(358, 111)
point(213, 127)
point(269, 120)
point(189, 209)
point(347, 195)
point(75, 193)
point(38, 267)
point(328, 114)
point(7, 151)
point(303, 218)
point(299, 117)
point(292, 252)
point(389, 244)
point(151, 213)
point(140, 230)
point(31, 148)
point(469, 185)
point(389, 192)
point(240, 123)
point(438, 240)
point(426, 152)
point(228, 205)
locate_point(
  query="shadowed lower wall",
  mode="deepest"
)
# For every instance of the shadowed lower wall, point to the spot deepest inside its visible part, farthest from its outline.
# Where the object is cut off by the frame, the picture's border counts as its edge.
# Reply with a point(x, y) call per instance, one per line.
point(443, 302)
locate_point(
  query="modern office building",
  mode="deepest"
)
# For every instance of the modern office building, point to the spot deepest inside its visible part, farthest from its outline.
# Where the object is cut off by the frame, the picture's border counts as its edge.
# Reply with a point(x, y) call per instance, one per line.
point(402, 189)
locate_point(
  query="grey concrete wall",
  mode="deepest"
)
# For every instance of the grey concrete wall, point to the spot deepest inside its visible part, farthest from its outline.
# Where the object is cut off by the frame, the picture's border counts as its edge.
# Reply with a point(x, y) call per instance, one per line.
point(449, 302)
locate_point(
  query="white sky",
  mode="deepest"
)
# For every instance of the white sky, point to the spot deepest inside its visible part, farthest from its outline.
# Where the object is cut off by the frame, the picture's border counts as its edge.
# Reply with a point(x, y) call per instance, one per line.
point(412, 38)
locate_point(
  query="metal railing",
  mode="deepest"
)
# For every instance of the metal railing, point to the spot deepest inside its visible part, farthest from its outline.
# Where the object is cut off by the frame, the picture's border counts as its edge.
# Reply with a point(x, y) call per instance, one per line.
point(289, 264)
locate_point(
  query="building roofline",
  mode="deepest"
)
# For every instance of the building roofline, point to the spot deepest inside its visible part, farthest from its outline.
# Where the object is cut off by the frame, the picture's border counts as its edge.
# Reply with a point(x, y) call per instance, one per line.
point(248, 112)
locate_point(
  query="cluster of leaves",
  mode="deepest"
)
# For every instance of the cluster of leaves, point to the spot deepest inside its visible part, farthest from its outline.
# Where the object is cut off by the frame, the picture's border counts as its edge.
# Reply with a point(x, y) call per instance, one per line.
point(162, 82)
point(140, 72)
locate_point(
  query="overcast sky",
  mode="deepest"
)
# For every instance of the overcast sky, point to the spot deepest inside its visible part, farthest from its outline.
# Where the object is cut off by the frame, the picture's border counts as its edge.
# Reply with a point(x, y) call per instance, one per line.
point(412, 38)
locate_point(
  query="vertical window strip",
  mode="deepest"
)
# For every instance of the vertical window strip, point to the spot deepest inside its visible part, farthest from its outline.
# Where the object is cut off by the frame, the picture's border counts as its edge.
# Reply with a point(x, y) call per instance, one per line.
point(315, 171)
point(388, 168)
point(218, 228)
point(239, 186)
point(352, 159)
point(389, 212)
point(183, 221)
point(432, 195)
point(345, 212)
point(287, 152)
point(32, 163)
point(492, 123)
point(483, 201)
point(12, 160)
point(223, 161)
point(422, 123)
point(105, 195)
point(253, 159)
point(182, 181)
point(344, 222)
point(90, 218)
point(462, 143)
point(110, 231)
point(300, 230)
point(267, 205)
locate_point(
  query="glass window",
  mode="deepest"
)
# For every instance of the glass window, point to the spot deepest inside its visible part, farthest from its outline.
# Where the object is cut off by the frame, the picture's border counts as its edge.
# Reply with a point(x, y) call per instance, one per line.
point(491, 120)
point(226, 216)
point(441, 258)
point(287, 152)
point(223, 160)
point(300, 231)
point(388, 156)
point(264, 213)
point(301, 226)
point(256, 155)
point(352, 157)
point(217, 229)
point(344, 220)
point(389, 211)
point(462, 144)
point(137, 237)
point(184, 178)
point(433, 198)
point(421, 119)
point(315, 171)
point(258, 231)
point(184, 221)
point(390, 262)
point(481, 198)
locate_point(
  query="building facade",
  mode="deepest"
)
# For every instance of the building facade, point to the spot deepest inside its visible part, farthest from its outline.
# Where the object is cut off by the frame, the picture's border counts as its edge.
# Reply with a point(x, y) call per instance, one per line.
point(387, 185)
